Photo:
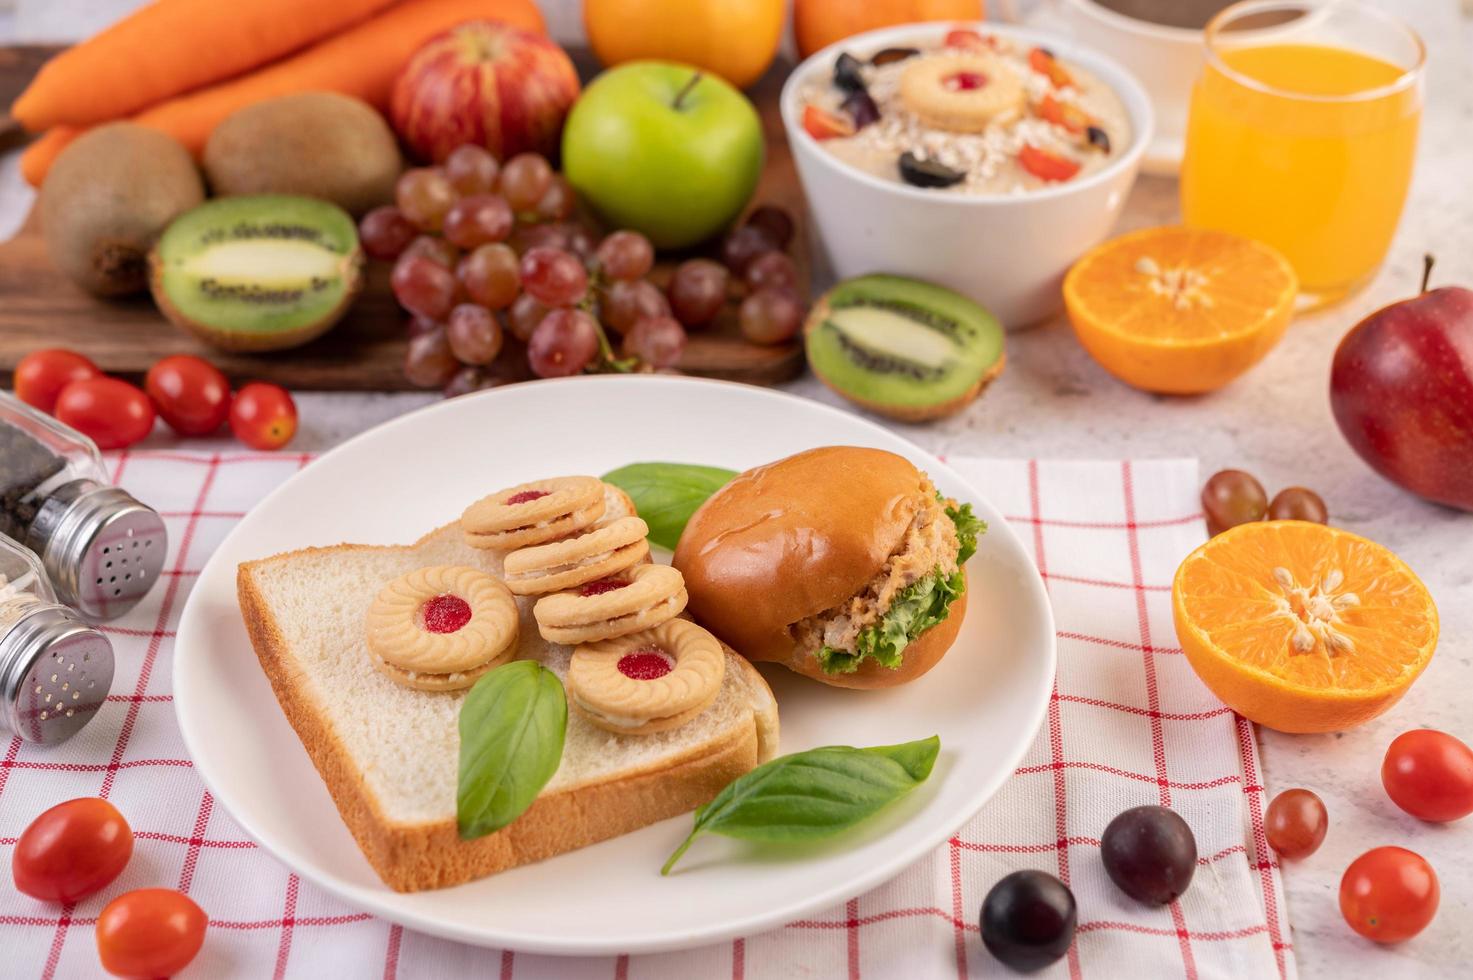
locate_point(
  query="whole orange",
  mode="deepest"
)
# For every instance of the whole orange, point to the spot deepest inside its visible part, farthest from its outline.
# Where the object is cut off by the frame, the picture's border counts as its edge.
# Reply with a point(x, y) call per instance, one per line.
point(819, 23)
point(735, 39)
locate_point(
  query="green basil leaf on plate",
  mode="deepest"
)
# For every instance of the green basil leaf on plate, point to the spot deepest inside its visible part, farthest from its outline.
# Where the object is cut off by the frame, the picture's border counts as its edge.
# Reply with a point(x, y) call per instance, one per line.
point(667, 494)
point(812, 795)
point(512, 726)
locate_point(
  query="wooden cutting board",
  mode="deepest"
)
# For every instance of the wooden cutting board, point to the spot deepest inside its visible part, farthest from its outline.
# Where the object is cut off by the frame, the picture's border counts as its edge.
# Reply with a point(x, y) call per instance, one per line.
point(365, 352)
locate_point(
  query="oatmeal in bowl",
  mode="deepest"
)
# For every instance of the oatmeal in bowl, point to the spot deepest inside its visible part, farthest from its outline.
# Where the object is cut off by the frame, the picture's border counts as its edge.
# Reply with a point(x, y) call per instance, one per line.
point(974, 113)
point(985, 157)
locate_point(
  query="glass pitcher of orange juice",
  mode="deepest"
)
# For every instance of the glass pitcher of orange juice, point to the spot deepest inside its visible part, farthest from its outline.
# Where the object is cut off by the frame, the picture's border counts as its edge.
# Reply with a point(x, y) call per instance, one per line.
point(1302, 133)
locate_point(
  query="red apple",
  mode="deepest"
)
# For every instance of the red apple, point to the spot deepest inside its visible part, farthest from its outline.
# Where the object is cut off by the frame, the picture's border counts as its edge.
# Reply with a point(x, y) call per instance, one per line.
point(1402, 391)
point(486, 83)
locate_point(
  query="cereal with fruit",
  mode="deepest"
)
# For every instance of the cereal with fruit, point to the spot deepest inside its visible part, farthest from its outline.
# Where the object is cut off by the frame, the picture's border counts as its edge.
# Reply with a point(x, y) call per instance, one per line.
point(979, 114)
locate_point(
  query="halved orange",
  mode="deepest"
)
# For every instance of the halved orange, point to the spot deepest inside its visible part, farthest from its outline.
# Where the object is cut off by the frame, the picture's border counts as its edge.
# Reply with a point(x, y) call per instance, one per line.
point(1303, 627)
point(1180, 310)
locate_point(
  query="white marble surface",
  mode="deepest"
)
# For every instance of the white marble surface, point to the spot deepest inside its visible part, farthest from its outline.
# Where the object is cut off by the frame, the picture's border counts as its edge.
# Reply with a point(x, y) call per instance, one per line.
point(1053, 401)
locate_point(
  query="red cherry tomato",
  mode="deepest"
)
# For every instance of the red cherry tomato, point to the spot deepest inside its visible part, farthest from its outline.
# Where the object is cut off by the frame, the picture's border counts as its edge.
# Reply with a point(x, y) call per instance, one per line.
point(1389, 894)
point(1045, 165)
point(190, 393)
point(41, 374)
point(263, 416)
point(113, 413)
point(151, 932)
point(71, 850)
point(1429, 774)
point(962, 37)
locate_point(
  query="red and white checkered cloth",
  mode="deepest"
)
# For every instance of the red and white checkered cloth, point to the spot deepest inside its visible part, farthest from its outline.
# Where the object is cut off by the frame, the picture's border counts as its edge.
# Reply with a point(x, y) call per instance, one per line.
point(1129, 723)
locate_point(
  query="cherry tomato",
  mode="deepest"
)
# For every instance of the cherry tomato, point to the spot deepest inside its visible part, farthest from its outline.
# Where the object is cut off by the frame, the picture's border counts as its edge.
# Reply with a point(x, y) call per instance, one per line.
point(1296, 823)
point(151, 932)
point(1429, 774)
point(41, 374)
point(113, 413)
point(190, 393)
point(72, 850)
point(1389, 894)
point(263, 416)
point(1045, 165)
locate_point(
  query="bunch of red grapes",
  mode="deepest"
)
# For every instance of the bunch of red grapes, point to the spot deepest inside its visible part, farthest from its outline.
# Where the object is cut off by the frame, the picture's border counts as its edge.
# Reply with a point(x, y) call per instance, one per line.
point(481, 249)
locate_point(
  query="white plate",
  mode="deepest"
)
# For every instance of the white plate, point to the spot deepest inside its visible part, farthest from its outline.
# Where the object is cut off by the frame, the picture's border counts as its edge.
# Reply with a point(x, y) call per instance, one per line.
point(985, 700)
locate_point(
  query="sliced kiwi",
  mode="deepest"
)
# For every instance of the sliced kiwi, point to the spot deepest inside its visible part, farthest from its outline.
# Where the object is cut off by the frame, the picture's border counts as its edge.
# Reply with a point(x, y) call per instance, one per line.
point(257, 273)
point(903, 348)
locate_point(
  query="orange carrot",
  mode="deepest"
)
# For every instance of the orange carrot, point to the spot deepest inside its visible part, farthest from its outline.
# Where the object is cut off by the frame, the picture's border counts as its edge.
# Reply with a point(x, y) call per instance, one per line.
point(363, 61)
point(38, 157)
point(170, 47)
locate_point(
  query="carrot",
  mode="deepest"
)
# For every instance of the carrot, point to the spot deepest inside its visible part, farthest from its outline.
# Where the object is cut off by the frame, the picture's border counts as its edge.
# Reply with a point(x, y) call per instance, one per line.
point(363, 61)
point(170, 47)
point(38, 157)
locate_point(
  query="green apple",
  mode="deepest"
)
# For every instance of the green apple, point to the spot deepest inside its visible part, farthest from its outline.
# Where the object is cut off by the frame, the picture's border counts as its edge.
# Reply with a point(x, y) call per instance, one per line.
point(664, 149)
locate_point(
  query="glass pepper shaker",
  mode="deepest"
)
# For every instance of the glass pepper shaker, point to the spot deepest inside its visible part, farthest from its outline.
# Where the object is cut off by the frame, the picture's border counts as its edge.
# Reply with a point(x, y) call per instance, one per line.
point(55, 670)
point(101, 548)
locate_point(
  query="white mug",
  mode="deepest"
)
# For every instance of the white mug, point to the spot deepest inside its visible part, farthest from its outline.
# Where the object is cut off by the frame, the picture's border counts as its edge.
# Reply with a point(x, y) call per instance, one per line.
point(1166, 60)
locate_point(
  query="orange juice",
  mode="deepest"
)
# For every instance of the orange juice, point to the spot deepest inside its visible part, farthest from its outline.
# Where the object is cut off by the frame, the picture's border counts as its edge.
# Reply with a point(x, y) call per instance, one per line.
point(1293, 144)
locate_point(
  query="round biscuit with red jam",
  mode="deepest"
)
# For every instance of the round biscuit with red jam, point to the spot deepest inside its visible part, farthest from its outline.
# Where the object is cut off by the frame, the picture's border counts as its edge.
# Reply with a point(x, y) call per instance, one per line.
point(533, 513)
point(638, 599)
point(647, 682)
point(440, 628)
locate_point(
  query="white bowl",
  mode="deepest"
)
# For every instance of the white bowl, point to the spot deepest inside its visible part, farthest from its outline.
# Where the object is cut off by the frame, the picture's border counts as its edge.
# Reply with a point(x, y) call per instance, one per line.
point(1008, 252)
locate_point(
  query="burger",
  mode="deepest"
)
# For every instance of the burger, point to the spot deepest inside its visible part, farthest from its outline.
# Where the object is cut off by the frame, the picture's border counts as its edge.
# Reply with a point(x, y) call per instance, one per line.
point(843, 564)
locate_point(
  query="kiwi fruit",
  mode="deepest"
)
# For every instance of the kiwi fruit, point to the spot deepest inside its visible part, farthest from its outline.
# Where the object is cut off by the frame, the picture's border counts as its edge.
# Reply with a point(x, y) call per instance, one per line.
point(107, 197)
point(319, 144)
point(257, 273)
point(903, 348)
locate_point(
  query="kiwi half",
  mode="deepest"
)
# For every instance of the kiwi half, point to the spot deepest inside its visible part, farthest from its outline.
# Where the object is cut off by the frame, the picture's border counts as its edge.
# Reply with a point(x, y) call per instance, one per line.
point(903, 348)
point(257, 273)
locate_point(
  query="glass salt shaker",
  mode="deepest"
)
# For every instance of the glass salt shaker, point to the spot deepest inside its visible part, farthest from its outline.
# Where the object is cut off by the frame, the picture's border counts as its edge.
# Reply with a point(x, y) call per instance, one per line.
point(55, 670)
point(101, 548)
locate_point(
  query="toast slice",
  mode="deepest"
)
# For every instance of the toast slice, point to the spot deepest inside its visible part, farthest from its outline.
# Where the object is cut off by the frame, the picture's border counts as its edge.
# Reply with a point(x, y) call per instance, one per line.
point(389, 755)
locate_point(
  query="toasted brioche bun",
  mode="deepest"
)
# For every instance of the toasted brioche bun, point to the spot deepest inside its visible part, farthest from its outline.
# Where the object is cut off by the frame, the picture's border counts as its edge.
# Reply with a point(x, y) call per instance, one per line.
point(794, 538)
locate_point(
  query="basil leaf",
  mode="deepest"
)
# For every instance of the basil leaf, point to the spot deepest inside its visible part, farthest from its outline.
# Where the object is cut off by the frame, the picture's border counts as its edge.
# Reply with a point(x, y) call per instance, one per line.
point(667, 494)
point(511, 741)
point(914, 610)
point(812, 795)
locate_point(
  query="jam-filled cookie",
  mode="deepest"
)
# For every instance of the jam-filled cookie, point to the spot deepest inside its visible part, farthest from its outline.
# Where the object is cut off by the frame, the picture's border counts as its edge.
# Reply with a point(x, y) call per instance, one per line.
point(567, 564)
point(648, 682)
point(963, 93)
point(533, 513)
point(643, 597)
point(440, 628)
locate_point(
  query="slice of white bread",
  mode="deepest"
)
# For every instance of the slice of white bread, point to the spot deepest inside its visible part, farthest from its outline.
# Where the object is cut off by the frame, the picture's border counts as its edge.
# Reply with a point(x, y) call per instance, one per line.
point(389, 755)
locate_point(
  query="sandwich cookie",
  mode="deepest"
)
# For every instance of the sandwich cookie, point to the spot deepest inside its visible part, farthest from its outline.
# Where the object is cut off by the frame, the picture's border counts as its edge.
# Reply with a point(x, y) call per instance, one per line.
point(649, 682)
point(533, 513)
point(639, 599)
point(962, 93)
point(440, 628)
point(567, 564)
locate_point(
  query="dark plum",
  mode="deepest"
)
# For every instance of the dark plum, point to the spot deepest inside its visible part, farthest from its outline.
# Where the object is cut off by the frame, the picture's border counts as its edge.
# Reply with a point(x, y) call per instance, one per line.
point(1150, 854)
point(1028, 919)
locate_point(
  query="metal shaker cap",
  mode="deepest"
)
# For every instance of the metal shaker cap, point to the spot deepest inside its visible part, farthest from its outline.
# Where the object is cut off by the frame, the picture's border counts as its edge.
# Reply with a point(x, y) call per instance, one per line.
point(102, 549)
point(55, 673)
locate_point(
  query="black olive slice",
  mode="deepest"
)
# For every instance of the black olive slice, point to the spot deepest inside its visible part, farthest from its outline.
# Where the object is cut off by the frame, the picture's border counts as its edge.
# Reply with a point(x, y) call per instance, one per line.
point(847, 74)
point(889, 56)
point(861, 108)
point(927, 173)
point(1098, 138)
